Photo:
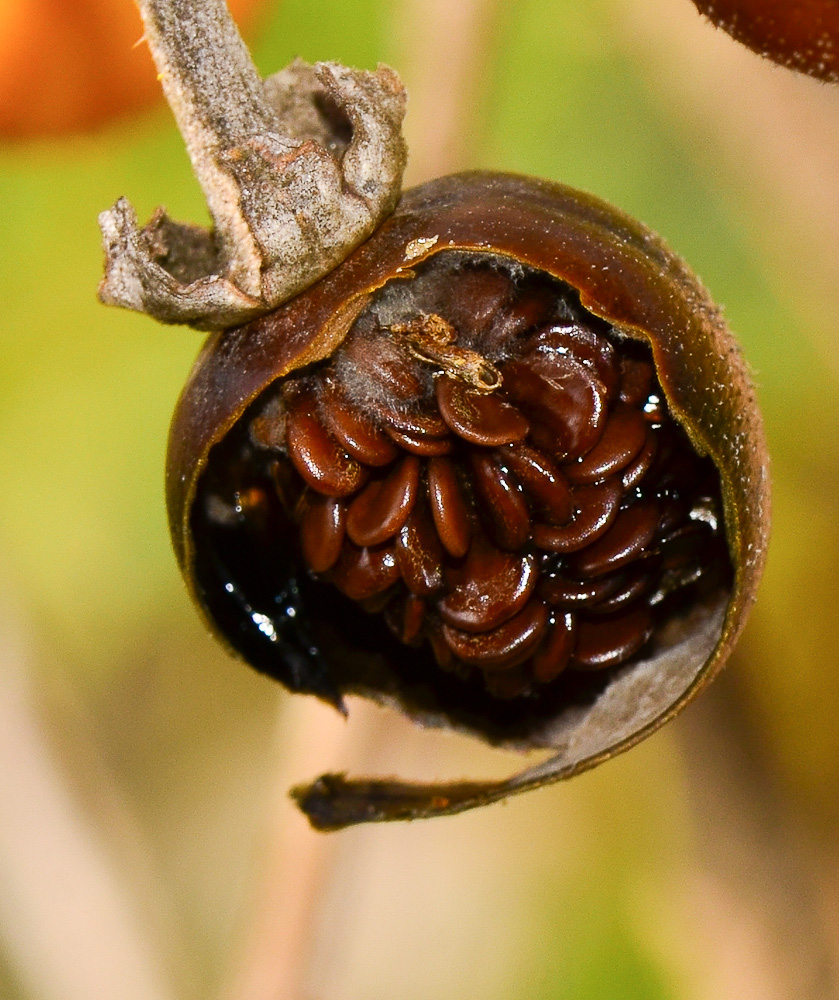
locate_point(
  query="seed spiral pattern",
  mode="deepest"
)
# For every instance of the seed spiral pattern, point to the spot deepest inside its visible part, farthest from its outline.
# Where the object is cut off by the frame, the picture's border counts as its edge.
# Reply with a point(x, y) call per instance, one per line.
point(540, 526)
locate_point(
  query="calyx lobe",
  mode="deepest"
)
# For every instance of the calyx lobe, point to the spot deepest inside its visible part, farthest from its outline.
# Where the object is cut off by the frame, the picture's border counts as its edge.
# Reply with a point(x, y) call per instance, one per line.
point(297, 170)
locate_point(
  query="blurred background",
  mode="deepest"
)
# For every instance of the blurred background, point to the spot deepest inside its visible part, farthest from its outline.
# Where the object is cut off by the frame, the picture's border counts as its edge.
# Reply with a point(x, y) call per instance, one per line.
point(148, 850)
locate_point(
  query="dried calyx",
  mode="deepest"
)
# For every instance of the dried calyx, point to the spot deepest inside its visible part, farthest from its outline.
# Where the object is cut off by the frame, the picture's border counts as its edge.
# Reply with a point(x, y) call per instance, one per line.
point(297, 170)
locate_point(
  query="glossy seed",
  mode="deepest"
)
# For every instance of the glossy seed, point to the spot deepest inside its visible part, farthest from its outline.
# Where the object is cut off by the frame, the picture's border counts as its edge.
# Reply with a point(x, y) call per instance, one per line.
point(597, 507)
point(419, 553)
point(442, 651)
point(480, 418)
point(383, 506)
point(512, 682)
point(630, 534)
point(363, 573)
point(561, 395)
point(413, 616)
point(587, 346)
point(543, 481)
point(472, 302)
point(322, 531)
point(563, 592)
point(641, 465)
point(355, 432)
point(635, 585)
point(448, 507)
point(378, 603)
point(636, 381)
point(502, 502)
point(388, 371)
point(623, 437)
point(609, 641)
point(553, 655)
point(532, 307)
point(416, 423)
point(502, 647)
point(427, 447)
point(317, 456)
point(487, 589)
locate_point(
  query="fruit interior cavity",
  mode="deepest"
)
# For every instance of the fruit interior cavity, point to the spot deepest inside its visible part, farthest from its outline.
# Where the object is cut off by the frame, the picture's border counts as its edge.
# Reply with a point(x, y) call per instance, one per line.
point(485, 471)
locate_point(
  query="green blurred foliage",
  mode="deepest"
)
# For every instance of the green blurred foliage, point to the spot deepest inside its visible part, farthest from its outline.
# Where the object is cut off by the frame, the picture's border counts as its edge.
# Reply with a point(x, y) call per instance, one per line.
point(85, 398)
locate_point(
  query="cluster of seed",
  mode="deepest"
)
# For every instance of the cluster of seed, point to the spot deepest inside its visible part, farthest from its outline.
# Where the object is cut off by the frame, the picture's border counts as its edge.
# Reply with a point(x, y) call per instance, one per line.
point(499, 479)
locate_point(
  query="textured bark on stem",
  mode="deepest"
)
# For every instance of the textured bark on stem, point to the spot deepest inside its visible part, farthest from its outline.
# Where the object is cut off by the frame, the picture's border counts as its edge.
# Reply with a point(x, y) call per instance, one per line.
point(297, 170)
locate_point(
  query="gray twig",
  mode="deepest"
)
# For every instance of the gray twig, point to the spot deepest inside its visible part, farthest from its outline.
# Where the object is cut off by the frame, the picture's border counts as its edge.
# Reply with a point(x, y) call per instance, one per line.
point(297, 170)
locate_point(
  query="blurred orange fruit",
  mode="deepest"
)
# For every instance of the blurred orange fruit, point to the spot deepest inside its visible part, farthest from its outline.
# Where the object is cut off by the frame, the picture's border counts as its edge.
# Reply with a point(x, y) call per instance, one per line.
point(70, 66)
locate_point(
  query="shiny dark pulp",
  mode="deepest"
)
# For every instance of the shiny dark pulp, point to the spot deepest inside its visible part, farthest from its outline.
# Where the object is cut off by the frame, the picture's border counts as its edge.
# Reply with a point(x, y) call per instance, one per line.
point(481, 493)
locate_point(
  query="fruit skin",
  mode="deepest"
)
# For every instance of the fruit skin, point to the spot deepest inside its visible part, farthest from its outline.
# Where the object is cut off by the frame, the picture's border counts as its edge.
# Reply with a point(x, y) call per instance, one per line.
point(625, 274)
point(800, 34)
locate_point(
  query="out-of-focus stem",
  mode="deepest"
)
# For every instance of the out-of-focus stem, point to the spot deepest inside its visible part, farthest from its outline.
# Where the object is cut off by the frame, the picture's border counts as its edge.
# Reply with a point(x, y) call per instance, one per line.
point(68, 924)
point(446, 93)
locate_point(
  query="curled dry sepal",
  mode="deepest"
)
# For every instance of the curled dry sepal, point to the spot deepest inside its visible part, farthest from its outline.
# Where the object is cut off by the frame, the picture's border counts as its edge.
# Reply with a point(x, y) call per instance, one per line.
point(802, 35)
point(500, 467)
point(297, 170)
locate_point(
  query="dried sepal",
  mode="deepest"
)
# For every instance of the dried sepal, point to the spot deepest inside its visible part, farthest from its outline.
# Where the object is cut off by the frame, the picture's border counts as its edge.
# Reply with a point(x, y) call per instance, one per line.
point(297, 170)
point(803, 36)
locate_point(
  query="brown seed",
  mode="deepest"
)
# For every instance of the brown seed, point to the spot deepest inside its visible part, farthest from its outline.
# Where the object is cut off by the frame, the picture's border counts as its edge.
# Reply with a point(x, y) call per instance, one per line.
point(609, 641)
point(378, 602)
point(542, 480)
point(502, 647)
point(636, 381)
point(317, 456)
point(512, 682)
point(553, 655)
point(532, 307)
point(471, 303)
point(419, 553)
point(363, 573)
point(673, 512)
point(562, 395)
point(480, 418)
point(636, 584)
point(632, 531)
point(379, 368)
point(588, 346)
point(413, 616)
point(489, 588)
point(684, 544)
point(442, 651)
point(623, 437)
point(322, 531)
point(448, 507)
point(641, 465)
point(416, 423)
point(382, 507)
point(501, 501)
point(419, 445)
point(566, 593)
point(356, 433)
point(597, 507)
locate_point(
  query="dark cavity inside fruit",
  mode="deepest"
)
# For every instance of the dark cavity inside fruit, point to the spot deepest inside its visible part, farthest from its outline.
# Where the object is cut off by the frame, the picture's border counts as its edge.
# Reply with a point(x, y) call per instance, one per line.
point(482, 487)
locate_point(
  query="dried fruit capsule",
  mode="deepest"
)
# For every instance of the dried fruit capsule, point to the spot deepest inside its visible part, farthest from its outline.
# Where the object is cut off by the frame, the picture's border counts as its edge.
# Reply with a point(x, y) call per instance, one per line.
point(486, 453)
point(502, 467)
